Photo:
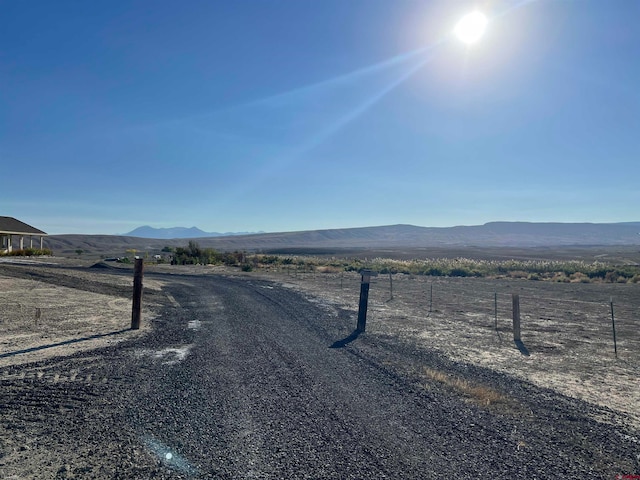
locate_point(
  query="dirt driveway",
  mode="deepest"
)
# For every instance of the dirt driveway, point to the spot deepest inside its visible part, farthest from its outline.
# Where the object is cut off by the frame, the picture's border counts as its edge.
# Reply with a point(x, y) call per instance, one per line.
point(566, 328)
point(242, 378)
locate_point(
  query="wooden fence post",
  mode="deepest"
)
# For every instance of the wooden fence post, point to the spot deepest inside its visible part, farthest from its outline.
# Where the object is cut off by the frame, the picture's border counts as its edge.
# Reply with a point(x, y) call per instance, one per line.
point(516, 317)
point(430, 298)
point(390, 286)
point(137, 294)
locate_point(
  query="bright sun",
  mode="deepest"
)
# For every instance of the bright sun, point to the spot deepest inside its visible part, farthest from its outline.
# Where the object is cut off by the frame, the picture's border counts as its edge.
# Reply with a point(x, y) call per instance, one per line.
point(471, 27)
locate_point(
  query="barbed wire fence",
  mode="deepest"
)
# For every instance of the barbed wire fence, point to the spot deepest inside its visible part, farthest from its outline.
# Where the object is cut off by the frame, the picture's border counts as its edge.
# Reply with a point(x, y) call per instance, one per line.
point(556, 318)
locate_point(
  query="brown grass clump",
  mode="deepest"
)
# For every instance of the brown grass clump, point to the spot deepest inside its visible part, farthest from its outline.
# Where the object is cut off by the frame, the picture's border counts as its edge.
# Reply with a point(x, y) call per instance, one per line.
point(480, 394)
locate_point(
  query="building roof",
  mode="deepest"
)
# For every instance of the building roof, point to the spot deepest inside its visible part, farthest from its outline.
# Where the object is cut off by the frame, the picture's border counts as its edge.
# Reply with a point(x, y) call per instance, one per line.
point(16, 227)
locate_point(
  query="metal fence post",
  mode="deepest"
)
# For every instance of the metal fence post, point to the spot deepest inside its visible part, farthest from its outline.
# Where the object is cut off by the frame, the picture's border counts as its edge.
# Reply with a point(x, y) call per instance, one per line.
point(613, 326)
point(516, 317)
point(364, 299)
point(137, 294)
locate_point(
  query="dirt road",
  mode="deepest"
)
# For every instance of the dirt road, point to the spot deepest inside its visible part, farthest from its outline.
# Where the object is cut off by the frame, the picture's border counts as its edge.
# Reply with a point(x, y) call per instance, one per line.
point(241, 378)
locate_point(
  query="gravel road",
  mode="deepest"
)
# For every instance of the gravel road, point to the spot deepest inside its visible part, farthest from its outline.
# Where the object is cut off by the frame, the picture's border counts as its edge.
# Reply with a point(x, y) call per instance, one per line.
point(242, 378)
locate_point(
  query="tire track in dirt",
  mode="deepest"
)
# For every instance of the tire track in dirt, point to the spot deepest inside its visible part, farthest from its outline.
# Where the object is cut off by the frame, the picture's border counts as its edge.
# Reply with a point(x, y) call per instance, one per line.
point(55, 276)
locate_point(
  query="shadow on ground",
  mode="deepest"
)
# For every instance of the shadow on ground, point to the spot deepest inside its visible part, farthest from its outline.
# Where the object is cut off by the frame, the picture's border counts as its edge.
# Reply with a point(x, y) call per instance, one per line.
point(521, 346)
point(59, 344)
point(345, 341)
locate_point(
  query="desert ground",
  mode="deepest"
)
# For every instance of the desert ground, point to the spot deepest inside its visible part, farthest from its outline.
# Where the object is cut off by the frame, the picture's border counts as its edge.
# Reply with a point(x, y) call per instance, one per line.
point(45, 315)
point(233, 375)
point(566, 328)
point(54, 308)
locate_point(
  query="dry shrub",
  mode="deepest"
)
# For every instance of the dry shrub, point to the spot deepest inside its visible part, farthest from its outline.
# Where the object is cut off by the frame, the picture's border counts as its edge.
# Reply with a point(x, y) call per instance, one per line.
point(518, 274)
point(579, 277)
point(611, 277)
point(560, 277)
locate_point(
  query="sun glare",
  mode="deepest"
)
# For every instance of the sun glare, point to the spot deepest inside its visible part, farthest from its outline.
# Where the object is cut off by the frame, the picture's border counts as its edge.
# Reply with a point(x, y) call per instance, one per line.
point(471, 27)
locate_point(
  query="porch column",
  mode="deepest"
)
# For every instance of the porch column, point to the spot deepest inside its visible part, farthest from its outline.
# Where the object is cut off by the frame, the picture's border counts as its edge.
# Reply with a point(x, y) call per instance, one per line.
point(21, 242)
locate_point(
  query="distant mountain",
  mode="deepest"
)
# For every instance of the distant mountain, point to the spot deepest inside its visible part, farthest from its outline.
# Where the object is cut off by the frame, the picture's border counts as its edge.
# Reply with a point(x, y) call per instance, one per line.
point(166, 233)
point(176, 232)
point(489, 235)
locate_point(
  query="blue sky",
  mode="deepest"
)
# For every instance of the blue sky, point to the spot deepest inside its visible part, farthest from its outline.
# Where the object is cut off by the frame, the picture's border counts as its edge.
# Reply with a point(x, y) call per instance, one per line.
point(283, 115)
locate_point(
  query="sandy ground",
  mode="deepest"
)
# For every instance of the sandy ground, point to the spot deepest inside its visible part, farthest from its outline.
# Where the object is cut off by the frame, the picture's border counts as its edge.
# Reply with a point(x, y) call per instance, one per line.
point(40, 320)
point(566, 328)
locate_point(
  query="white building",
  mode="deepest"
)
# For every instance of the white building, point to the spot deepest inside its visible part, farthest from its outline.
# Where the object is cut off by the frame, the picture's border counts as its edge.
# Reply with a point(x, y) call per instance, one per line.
point(10, 228)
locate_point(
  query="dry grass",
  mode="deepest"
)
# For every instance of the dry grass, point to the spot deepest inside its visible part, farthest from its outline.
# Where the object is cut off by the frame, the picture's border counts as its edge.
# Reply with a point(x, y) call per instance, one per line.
point(39, 320)
point(479, 394)
point(329, 269)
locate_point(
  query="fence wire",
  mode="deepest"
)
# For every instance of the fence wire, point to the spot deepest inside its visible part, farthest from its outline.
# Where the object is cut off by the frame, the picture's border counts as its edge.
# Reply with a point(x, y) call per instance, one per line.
point(556, 318)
